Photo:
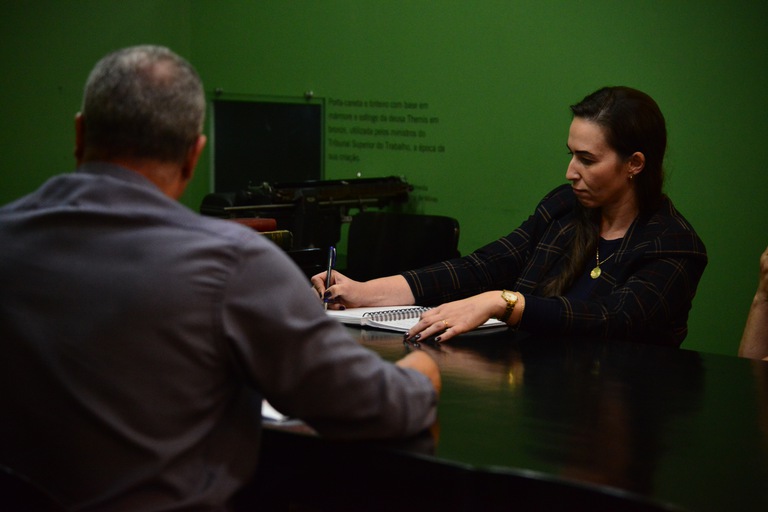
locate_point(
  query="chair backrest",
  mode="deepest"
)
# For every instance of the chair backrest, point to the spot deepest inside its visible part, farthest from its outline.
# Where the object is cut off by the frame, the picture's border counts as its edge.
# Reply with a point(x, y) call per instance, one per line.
point(257, 224)
point(385, 243)
point(311, 261)
point(19, 494)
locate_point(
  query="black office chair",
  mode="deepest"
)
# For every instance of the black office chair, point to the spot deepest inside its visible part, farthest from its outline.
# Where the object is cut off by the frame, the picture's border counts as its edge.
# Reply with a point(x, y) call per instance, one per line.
point(19, 494)
point(310, 260)
point(385, 243)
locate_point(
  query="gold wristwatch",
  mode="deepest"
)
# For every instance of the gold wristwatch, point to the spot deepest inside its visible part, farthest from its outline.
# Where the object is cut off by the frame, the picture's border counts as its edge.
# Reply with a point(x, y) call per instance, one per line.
point(511, 299)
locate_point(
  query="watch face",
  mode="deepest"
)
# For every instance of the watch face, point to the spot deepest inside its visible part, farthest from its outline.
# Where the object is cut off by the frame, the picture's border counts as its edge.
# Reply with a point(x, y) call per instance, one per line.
point(510, 297)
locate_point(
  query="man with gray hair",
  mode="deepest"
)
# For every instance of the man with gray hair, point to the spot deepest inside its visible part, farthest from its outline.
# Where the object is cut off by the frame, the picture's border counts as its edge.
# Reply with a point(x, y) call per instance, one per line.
point(138, 339)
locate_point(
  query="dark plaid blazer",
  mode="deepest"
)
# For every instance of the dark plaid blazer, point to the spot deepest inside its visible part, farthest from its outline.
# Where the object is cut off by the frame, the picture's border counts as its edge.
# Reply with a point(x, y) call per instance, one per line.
point(644, 293)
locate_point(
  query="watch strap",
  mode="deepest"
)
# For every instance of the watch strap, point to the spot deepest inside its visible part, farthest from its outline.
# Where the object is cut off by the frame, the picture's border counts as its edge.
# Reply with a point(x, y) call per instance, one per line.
point(510, 306)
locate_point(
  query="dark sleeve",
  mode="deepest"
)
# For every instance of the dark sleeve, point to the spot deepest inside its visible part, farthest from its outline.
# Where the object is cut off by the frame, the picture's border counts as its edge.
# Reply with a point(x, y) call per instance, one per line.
point(497, 265)
point(307, 365)
point(646, 298)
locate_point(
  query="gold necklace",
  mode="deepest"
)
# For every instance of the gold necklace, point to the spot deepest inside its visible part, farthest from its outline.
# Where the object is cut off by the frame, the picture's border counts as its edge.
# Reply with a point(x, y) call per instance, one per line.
point(597, 270)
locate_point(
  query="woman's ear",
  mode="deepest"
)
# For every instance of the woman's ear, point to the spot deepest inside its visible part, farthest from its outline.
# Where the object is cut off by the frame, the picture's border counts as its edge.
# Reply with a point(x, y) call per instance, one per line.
point(635, 164)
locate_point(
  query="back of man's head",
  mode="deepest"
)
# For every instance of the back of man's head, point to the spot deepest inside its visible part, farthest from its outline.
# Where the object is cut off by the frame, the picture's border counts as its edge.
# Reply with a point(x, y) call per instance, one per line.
point(142, 102)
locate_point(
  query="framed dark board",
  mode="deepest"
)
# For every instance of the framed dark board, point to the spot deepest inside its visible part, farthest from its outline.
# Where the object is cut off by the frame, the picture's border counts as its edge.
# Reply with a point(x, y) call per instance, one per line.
point(266, 141)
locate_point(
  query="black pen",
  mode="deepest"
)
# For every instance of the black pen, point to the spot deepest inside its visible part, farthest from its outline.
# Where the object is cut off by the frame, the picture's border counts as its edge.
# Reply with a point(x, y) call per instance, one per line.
point(331, 264)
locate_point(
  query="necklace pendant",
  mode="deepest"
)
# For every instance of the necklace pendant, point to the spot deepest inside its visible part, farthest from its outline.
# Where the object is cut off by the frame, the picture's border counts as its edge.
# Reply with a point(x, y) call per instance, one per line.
point(595, 272)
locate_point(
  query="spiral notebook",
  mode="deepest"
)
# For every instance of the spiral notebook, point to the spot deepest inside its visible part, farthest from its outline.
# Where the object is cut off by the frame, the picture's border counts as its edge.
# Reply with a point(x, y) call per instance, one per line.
point(391, 318)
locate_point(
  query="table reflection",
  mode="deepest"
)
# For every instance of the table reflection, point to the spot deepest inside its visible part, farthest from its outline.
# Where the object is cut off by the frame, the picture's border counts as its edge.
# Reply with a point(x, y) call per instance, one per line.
point(561, 423)
point(596, 412)
point(603, 410)
point(760, 371)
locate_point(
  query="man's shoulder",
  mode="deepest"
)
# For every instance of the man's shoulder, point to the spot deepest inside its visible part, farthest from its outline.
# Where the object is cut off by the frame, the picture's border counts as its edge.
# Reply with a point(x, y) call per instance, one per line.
point(221, 232)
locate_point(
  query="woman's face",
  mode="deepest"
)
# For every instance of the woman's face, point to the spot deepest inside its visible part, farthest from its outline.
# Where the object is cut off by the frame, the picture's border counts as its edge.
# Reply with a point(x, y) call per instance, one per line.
point(599, 176)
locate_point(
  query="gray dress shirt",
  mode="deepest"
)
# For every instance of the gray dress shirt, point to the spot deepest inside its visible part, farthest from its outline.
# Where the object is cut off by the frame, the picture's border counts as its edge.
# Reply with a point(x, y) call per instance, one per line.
point(137, 340)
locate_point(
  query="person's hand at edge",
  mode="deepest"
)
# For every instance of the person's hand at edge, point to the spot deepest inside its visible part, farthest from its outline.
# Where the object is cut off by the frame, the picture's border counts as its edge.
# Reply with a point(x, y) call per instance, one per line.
point(754, 340)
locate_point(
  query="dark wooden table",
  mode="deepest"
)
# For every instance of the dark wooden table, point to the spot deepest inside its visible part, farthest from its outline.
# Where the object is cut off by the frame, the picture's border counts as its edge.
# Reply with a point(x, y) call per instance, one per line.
point(547, 424)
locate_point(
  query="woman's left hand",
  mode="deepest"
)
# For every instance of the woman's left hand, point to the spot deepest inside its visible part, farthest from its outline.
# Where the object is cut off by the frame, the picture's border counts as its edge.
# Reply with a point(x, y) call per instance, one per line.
point(454, 318)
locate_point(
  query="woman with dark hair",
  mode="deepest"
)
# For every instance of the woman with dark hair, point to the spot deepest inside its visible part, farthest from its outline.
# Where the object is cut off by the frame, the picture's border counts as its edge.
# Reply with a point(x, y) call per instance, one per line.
point(607, 255)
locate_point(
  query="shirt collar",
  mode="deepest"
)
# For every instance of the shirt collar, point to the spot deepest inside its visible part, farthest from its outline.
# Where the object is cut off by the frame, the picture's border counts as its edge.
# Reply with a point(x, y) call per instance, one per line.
point(114, 171)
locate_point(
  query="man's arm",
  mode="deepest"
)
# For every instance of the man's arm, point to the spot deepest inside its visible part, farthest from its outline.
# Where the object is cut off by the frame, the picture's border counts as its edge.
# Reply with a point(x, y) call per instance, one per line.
point(423, 363)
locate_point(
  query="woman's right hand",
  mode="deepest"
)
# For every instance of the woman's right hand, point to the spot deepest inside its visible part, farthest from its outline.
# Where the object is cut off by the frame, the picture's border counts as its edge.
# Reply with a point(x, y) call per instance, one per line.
point(342, 293)
point(348, 293)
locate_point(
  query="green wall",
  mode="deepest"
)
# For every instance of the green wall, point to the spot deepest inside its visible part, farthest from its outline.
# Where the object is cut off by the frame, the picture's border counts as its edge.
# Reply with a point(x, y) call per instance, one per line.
point(489, 82)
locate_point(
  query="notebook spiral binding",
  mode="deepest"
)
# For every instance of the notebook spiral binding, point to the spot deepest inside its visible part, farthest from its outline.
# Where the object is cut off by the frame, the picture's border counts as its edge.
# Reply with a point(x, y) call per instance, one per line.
point(396, 314)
